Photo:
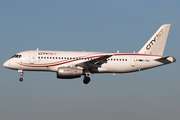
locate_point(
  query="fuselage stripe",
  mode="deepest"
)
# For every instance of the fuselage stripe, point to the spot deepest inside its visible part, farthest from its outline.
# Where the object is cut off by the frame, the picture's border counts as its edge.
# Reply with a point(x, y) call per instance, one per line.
point(50, 64)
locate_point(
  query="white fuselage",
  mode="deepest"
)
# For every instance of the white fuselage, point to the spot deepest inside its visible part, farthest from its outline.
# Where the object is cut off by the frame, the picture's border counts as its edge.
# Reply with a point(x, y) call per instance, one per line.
point(52, 60)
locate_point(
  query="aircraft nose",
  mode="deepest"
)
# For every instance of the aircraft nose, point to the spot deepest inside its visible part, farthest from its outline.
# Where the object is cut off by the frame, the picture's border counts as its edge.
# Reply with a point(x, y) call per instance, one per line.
point(6, 64)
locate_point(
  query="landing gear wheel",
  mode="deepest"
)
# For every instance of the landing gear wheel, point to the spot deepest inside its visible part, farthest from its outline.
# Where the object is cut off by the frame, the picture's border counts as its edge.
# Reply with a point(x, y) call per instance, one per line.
point(20, 79)
point(86, 80)
point(22, 73)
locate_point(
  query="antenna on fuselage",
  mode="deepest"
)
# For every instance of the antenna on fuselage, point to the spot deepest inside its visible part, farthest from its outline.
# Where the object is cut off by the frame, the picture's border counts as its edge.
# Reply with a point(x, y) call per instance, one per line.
point(37, 49)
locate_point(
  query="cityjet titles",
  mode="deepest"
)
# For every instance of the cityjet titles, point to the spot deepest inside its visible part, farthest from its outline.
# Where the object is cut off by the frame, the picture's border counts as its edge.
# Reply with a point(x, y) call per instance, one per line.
point(155, 39)
point(46, 53)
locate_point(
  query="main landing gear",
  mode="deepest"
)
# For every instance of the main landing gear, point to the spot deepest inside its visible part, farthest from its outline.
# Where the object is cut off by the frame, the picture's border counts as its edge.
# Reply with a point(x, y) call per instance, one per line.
point(86, 79)
point(22, 72)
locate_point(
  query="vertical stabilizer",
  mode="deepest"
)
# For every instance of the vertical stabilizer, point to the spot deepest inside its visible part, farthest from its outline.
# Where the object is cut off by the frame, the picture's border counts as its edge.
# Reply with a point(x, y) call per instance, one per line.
point(156, 44)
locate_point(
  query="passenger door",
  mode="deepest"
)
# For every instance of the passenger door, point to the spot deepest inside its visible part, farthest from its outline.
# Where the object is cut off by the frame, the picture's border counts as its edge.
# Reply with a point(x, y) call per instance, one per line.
point(31, 57)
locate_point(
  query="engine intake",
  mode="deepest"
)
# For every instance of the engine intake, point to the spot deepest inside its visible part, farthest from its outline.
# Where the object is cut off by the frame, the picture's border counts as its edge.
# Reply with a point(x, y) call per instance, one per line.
point(69, 72)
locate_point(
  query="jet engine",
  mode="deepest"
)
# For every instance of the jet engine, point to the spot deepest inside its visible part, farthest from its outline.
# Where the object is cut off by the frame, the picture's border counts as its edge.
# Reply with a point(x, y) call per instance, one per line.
point(69, 72)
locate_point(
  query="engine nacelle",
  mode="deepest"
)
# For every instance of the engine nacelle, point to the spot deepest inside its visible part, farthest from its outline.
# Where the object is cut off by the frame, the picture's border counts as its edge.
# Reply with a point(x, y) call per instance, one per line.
point(69, 72)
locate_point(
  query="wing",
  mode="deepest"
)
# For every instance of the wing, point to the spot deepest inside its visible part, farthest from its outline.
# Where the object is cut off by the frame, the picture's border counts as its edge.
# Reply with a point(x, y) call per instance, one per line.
point(94, 63)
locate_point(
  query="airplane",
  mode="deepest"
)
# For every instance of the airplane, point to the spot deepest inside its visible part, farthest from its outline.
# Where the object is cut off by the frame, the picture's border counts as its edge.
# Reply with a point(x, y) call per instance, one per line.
point(69, 65)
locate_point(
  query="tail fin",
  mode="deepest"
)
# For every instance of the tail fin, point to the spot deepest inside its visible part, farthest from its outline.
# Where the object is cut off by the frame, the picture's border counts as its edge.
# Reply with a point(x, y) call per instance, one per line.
point(156, 44)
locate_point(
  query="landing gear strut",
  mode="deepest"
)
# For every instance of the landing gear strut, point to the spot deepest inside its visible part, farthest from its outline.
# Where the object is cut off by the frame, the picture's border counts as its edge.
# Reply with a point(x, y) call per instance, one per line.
point(86, 79)
point(22, 72)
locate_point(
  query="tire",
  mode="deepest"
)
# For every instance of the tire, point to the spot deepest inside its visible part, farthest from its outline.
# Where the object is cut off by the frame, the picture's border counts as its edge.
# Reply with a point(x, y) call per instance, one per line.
point(20, 79)
point(86, 80)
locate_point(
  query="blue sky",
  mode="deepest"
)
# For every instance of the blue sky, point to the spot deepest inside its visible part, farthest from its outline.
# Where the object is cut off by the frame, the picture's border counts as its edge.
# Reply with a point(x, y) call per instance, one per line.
point(88, 25)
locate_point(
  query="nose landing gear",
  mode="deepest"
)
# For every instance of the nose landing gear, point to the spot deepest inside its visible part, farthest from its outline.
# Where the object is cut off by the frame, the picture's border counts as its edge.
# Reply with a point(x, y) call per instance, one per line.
point(21, 79)
point(22, 72)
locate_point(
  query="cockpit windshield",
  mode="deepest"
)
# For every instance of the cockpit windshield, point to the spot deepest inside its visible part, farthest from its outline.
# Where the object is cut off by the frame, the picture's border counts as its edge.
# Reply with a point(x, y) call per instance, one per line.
point(16, 56)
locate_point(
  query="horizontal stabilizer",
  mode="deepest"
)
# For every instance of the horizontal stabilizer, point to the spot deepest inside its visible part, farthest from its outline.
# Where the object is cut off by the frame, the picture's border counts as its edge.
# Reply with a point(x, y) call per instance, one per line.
point(163, 58)
point(166, 59)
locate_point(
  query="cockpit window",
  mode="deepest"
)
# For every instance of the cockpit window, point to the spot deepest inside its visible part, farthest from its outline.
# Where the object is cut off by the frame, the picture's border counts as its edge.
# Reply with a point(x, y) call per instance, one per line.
point(16, 56)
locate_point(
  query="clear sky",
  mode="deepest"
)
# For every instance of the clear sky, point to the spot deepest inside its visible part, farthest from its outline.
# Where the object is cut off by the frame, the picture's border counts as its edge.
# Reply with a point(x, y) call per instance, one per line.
point(89, 25)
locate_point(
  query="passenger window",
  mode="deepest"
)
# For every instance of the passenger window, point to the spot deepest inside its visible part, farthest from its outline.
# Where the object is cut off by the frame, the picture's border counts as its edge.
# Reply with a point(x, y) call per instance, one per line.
point(126, 59)
point(38, 57)
point(122, 59)
point(44, 57)
point(47, 57)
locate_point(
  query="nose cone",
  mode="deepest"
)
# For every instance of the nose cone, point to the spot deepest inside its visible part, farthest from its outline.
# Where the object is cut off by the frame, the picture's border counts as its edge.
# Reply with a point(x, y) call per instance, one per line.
point(6, 64)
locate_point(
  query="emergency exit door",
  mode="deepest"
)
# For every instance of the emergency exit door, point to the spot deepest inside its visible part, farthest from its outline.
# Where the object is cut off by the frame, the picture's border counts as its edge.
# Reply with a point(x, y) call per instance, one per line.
point(133, 61)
